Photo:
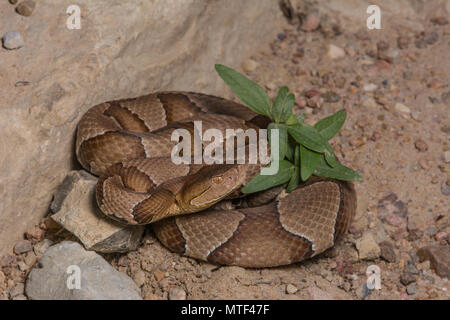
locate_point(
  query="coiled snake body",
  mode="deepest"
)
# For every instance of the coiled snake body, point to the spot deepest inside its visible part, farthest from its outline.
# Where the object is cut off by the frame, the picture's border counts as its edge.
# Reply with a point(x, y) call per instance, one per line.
point(128, 144)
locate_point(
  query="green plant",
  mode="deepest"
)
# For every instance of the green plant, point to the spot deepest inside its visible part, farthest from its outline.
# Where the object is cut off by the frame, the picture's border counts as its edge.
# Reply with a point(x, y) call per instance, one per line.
point(304, 149)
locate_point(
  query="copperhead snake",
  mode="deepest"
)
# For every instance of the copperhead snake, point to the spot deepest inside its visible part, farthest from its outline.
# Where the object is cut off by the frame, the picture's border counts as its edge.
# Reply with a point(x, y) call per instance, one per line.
point(128, 144)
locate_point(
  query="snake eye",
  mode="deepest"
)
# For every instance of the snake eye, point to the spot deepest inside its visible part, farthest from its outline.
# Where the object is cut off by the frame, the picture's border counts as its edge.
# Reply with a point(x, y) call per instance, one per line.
point(217, 179)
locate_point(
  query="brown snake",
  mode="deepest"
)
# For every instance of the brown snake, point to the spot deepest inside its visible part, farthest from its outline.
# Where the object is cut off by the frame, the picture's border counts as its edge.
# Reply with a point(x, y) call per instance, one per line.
point(128, 144)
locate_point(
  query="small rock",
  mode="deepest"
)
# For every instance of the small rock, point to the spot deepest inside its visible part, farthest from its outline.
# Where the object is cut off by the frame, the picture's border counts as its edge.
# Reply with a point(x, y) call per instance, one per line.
point(26, 8)
point(249, 65)
point(177, 294)
point(388, 251)
point(431, 38)
point(12, 40)
point(440, 236)
point(80, 215)
point(335, 52)
point(399, 107)
point(99, 280)
point(22, 247)
point(363, 34)
point(311, 22)
point(445, 188)
point(407, 278)
point(35, 233)
point(439, 257)
point(370, 87)
point(369, 103)
point(291, 289)
point(411, 289)
point(13, 1)
point(421, 145)
point(367, 248)
point(447, 156)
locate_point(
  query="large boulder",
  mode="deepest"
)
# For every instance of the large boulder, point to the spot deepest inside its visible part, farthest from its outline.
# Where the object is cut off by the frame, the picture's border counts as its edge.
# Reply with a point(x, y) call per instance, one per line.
point(123, 49)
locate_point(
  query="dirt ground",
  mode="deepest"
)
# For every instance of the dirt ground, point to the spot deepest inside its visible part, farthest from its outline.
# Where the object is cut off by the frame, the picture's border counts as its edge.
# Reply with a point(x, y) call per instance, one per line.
point(394, 85)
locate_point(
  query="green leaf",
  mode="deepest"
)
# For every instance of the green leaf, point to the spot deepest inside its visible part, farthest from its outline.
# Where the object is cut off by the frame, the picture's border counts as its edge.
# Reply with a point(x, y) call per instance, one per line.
point(263, 182)
point(290, 151)
point(295, 180)
point(283, 138)
point(278, 103)
point(282, 106)
point(330, 157)
point(339, 172)
point(308, 136)
point(297, 155)
point(295, 119)
point(250, 93)
point(308, 162)
point(331, 125)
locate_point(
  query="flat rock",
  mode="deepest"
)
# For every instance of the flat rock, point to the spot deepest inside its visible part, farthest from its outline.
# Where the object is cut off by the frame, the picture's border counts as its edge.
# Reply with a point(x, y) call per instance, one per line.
point(335, 52)
point(100, 281)
point(77, 211)
point(439, 257)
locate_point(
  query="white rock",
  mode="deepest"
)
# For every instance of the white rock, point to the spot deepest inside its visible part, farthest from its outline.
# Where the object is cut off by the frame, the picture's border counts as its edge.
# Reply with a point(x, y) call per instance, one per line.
point(249, 65)
point(335, 52)
point(369, 103)
point(99, 281)
point(13, 40)
point(370, 87)
point(177, 294)
point(291, 289)
point(399, 107)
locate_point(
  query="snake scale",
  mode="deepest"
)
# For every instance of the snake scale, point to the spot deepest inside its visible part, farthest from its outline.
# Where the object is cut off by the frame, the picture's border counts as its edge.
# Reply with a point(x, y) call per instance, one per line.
point(128, 144)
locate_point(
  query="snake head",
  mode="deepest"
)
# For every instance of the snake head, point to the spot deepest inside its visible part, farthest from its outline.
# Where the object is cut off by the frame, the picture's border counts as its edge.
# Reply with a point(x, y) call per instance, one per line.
point(210, 185)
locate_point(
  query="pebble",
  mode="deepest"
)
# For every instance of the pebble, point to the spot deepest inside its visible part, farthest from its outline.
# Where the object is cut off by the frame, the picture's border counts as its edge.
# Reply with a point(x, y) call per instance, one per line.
point(411, 289)
point(22, 247)
point(369, 103)
point(249, 65)
point(439, 257)
point(407, 278)
point(12, 40)
point(335, 52)
point(26, 8)
point(395, 220)
point(367, 248)
point(447, 156)
point(34, 233)
point(421, 145)
point(387, 251)
point(399, 107)
point(291, 289)
point(177, 294)
point(311, 22)
point(370, 87)
point(445, 188)
point(13, 1)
